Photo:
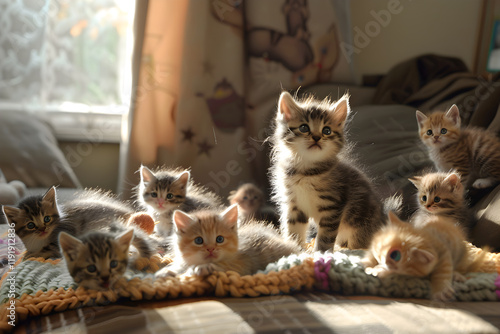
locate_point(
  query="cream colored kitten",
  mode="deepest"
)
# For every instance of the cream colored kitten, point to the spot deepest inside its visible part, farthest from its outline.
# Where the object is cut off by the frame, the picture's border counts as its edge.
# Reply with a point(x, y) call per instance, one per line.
point(436, 249)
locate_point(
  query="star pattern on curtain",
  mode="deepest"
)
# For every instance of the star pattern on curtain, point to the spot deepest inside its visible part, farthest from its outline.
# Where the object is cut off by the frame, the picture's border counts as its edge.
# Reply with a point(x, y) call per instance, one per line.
point(188, 135)
point(205, 147)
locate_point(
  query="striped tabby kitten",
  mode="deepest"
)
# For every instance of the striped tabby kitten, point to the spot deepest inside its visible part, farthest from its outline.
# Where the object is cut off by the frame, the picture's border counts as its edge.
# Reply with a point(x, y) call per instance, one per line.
point(442, 195)
point(313, 181)
point(474, 153)
point(97, 260)
point(165, 190)
point(436, 249)
point(208, 241)
point(39, 219)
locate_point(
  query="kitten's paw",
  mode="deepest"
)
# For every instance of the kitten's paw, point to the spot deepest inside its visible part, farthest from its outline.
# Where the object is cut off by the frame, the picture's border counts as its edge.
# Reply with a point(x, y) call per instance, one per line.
point(378, 271)
point(206, 269)
point(166, 272)
point(483, 183)
point(458, 277)
point(446, 295)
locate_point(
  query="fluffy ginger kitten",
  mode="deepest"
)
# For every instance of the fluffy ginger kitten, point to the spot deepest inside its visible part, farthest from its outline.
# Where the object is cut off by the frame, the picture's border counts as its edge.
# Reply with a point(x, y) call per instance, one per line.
point(436, 249)
point(208, 241)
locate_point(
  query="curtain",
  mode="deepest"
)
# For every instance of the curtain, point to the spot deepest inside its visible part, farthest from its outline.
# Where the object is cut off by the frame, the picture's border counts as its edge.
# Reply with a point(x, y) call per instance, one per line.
point(208, 78)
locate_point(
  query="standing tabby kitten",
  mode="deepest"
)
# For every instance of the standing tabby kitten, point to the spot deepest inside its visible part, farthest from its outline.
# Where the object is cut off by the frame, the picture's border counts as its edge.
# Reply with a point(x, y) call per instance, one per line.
point(97, 260)
point(474, 153)
point(165, 190)
point(39, 219)
point(436, 249)
point(442, 195)
point(312, 181)
point(208, 241)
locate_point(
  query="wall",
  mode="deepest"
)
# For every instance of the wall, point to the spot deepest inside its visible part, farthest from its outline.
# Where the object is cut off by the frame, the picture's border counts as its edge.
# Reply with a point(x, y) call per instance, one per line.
point(399, 30)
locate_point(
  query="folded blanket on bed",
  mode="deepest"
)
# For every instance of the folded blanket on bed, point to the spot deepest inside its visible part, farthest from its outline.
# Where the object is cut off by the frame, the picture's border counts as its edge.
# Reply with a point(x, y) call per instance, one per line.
point(38, 287)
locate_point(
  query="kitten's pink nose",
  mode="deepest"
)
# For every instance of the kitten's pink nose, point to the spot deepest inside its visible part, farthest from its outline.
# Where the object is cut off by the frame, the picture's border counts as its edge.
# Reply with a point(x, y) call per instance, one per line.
point(436, 137)
point(210, 250)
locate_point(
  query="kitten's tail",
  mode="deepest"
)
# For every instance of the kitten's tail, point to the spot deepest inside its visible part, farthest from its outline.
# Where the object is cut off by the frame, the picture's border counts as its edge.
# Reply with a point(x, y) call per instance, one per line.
point(393, 203)
point(482, 260)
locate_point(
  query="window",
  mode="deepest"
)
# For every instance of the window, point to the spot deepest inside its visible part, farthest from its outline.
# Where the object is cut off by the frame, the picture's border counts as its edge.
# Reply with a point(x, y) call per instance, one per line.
point(69, 61)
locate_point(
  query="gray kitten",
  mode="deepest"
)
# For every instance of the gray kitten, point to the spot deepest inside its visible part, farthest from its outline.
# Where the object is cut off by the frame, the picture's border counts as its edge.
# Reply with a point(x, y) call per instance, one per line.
point(38, 220)
point(165, 190)
point(97, 260)
point(312, 180)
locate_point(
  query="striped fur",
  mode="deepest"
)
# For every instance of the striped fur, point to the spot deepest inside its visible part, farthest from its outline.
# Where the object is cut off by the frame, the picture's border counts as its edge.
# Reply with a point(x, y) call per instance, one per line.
point(436, 248)
point(88, 210)
point(97, 260)
point(313, 180)
point(245, 249)
point(474, 153)
point(442, 195)
point(165, 190)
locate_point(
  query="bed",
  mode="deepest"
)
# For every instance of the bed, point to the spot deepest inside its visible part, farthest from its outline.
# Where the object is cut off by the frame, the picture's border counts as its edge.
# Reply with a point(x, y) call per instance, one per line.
point(309, 293)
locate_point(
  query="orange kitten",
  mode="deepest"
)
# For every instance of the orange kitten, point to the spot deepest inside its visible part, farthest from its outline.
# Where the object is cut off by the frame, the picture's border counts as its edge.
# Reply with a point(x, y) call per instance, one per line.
point(208, 241)
point(436, 249)
point(442, 195)
point(474, 153)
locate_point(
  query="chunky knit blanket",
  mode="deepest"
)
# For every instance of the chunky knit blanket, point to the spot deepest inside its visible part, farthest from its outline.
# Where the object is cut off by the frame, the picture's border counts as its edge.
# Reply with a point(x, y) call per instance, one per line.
point(39, 287)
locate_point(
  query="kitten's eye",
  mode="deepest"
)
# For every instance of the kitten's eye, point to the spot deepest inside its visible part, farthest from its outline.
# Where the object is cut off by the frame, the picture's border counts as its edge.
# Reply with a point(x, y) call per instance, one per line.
point(113, 264)
point(327, 131)
point(429, 132)
point(395, 255)
point(47, 219)
point(304, 128)
point(219, 239)
point(245, 198)
point(424, 198)
point(91, 268)
point(444, 131)
point(154, 194)
point(198, 240)
point(437, 199)
point(170, 196)
point(255, 197)
point(30, 225)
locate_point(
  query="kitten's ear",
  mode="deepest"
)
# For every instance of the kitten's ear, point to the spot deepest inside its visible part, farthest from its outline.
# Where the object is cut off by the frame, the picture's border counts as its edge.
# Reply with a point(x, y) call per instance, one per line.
point(421, 255)
point(341, 109)
point(146, 174)
point(51, 196)
point(453, 180)
point(11, 212)
point(182, 220)
point(183, 179)
point(453, 114)
point(416, 180)
point(287, 107)
point(125, 239)
point(420, 118)
point(230, 215)
point(394, 219)
point(69, 244)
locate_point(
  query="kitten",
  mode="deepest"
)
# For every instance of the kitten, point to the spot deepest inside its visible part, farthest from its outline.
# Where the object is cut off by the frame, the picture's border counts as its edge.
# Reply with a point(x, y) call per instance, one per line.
point(313, 180)
point(436, 249)
point(208, 241)
point(474, 153)
point(165, 190)
point(39, 219)
point(442, 195)
point(97, 260)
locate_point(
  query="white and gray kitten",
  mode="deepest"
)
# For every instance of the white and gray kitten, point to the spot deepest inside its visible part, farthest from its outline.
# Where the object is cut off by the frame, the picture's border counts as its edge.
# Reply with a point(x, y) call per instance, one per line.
point(312, 179)
point(96, 260)
point(164, 190)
